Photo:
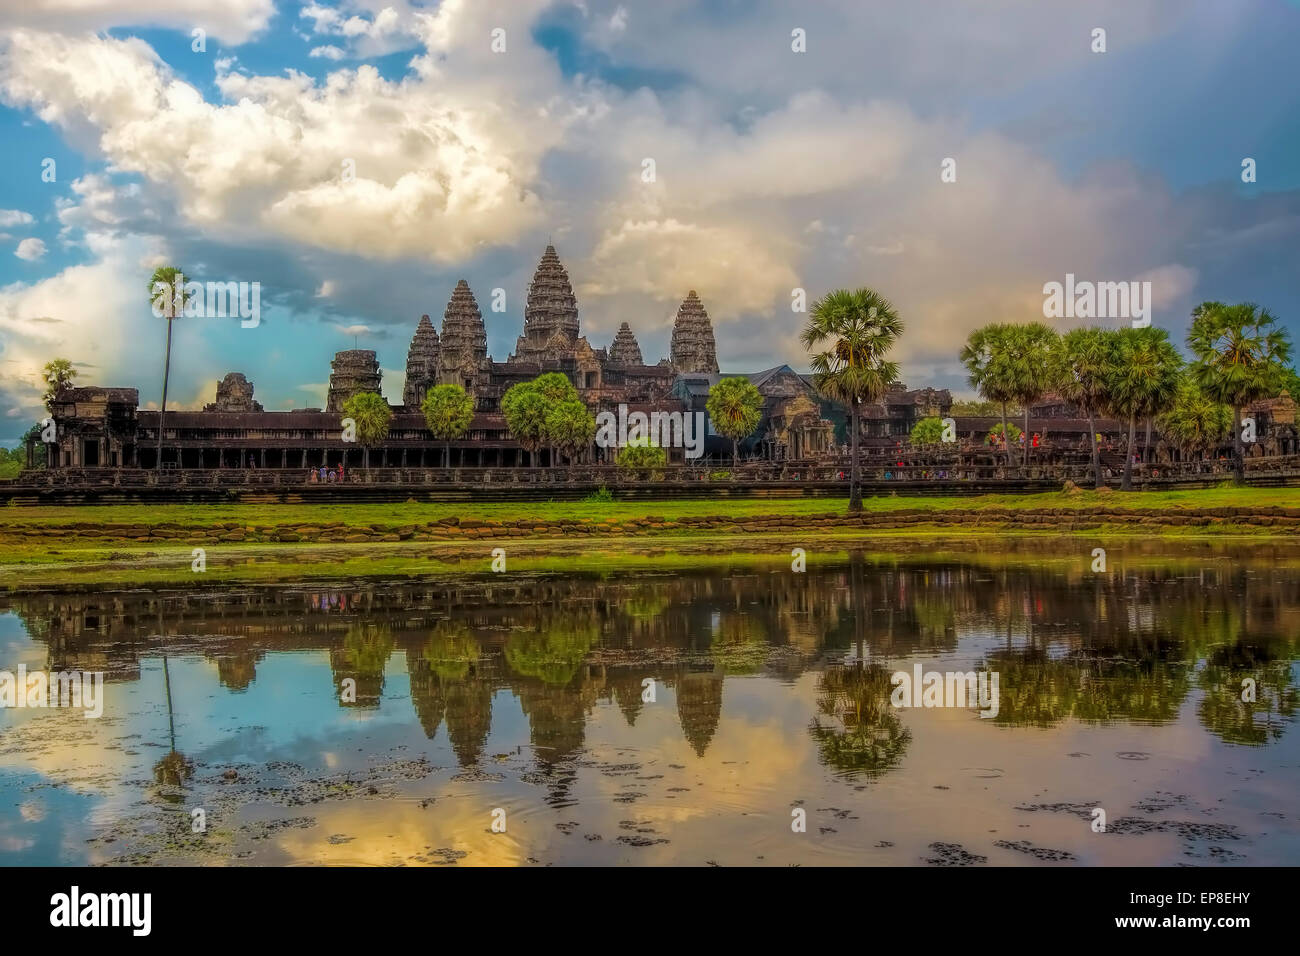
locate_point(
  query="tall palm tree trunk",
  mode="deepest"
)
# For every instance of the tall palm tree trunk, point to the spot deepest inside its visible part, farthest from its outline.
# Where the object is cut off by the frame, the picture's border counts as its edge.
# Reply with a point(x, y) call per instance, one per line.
point(1128, 454)
point(1146, 452)
point(1096, 454)
point(1025, 433)
point(855, 493)
point(162, 415)
point(1006, 436)
point(1238, 453)
point(735, 453)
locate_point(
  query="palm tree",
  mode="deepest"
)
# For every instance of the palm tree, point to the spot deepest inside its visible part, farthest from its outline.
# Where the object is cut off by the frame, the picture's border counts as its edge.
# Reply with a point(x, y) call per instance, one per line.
point(372, 416)
point(167, 296)
point(570, 427)
point(1194, 421)
point(1082, 371)
point(1241, 357)
point(1145, 379)
point(1035, 348)
point(859, 327)
point(989, 357)
point(58, 374)
point(735, 408)
point(448, 411)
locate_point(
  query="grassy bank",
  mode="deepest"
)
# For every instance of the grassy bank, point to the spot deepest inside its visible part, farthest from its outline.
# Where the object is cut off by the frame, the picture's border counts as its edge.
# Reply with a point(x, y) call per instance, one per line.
point(143, 545)
point(364, 515)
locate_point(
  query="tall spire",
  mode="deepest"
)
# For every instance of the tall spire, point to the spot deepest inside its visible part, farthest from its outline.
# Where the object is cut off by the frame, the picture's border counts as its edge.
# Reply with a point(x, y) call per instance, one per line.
point(421, 363)
point(463, 351)
point(625, 350)
point(693, 348)
point(550, 313)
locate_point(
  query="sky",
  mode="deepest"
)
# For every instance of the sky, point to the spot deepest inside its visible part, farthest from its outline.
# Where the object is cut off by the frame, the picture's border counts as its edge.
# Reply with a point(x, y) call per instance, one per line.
point(356, 159)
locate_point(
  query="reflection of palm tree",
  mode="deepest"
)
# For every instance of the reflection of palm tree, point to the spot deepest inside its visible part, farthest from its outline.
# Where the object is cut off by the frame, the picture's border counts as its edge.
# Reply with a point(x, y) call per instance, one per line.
point(363, 657)
point(449, 658)
point(554, 653)
point(451, 650)
point(856, 729)
point(175, 768)
point(1222, 710)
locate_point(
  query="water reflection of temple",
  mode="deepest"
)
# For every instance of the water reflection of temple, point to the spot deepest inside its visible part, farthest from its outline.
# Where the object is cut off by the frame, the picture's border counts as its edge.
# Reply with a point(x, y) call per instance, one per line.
point(1134, 645)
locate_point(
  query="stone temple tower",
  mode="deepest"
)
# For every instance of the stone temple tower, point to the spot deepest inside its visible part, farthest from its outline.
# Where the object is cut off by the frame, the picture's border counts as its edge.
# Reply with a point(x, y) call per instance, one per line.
point(625, 350)
point(550, 314)
point(693, 348)
point(352, 371)
point(462, 355)
point(421, 363)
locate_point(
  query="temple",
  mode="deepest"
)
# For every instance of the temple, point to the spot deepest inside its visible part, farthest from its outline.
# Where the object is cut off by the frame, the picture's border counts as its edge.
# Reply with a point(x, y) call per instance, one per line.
point(99, 427)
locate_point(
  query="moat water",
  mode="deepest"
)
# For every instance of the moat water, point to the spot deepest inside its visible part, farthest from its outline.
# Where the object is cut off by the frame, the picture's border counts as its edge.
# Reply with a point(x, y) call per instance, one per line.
point(674, 718)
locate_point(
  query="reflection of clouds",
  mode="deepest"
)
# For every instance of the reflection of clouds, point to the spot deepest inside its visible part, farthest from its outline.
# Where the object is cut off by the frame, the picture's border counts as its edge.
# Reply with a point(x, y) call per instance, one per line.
point(404, 833)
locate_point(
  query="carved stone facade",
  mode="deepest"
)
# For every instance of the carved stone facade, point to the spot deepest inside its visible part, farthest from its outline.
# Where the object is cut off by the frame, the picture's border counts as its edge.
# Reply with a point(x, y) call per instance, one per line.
point(421, 364)
point(352, 371)
point(234, 394)
point(462, 358)
point(693, 347)
point(625, 350)
point(550, 314)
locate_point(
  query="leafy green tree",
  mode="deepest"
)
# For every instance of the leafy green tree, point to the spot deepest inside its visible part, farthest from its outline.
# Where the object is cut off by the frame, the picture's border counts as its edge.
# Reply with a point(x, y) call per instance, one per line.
point(1241, 357)
point(1082, 371)
point(856, 730)
point(570, 427)
point(372, 415)
point(1144, 381)
point(167, 296)
point(640, 455)
point(1035, 357)
point(448, 411)
point(855, 331)
point(990, 360)
point(58, 375)
point(1194, 421)
point(928, 431)
point(525, 410)
point(555, 387)
point(735, 407)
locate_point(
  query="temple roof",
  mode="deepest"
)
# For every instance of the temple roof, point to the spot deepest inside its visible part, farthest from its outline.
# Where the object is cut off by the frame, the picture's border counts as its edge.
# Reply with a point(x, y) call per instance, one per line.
point(625, 349)
point(693, 347)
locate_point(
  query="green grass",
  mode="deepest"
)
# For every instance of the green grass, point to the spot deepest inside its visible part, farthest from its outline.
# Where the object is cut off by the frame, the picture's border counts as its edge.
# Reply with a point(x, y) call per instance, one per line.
point(32, 561)
point(206, 515)
point(170, 565)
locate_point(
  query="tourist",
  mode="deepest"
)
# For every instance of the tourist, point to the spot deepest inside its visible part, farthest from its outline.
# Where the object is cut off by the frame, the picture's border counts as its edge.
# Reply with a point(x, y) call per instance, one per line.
point(340, 473)
point(311, 475)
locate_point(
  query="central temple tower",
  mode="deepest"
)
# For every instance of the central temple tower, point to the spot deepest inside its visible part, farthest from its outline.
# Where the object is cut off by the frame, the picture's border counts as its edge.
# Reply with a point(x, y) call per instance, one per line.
point(550, 314)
